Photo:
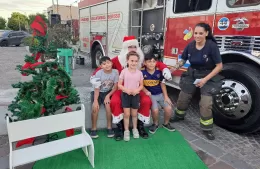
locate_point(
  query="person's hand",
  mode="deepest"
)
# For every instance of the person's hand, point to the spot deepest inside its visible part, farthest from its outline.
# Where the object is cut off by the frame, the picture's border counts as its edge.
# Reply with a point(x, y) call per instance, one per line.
point(95, 106)
point(201, 83)
point(173, 69)
point(107, 100)
point(148, 93)
point(128, 91)
point(168, 100)
point(167, 74)
point(135, 92)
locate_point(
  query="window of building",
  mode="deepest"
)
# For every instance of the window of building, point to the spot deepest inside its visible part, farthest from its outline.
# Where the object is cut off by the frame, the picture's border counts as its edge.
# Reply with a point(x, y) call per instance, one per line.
point(183, 6)
point(241, 3)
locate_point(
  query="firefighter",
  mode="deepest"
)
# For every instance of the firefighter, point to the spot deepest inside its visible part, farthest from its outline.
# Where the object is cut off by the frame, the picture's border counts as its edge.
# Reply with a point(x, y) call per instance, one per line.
point(205, 64)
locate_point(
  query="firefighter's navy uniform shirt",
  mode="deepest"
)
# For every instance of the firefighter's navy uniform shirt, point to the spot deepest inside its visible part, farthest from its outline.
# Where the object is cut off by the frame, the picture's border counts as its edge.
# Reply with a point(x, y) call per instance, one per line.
point(207, 57)
point(152, 82)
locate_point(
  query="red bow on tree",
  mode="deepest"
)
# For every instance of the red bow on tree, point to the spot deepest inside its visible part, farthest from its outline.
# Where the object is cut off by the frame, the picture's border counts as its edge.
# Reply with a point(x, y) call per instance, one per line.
point(59, 97)
point(39, 27)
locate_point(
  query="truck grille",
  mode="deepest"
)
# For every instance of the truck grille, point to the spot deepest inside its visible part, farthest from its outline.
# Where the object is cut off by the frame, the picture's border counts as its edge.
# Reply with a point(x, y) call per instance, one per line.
point(238, 43)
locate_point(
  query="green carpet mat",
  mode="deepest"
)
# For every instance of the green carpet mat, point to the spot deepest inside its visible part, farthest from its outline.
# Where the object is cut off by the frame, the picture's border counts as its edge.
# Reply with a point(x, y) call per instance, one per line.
point(163, 150)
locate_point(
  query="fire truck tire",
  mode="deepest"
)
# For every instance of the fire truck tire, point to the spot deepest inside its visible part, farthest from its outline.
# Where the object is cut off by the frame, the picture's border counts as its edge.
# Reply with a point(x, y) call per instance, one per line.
point(237, 107)
point(96, 54)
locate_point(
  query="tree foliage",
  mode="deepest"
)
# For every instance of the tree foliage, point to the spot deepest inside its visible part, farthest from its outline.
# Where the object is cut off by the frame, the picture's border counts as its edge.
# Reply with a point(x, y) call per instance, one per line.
point(2, 23)
point(16, 19)
point(50, 88)
point(60, 35)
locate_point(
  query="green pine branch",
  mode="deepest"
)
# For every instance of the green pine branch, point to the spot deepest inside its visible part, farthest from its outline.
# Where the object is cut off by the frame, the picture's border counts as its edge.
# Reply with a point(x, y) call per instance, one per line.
point(48, 80)
point(29, 59)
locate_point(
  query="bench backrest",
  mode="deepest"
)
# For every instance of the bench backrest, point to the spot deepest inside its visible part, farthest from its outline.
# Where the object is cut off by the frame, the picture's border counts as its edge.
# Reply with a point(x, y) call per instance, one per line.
point(45, 125)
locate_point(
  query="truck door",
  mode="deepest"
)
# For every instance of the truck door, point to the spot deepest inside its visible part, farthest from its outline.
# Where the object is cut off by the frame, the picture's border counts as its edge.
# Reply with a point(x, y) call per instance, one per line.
point(84, 30)
point(181, 17)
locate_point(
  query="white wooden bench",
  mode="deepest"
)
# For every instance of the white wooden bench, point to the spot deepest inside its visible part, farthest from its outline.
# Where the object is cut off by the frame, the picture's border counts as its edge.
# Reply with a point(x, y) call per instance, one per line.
point(45, 125)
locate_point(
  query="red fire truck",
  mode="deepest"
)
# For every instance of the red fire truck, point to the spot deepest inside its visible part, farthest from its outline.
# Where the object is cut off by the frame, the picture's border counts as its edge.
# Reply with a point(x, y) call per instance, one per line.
point(165, 27)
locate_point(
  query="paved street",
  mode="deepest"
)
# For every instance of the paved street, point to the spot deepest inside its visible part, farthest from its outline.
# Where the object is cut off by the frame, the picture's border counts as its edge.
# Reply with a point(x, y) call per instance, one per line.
point(228, 151)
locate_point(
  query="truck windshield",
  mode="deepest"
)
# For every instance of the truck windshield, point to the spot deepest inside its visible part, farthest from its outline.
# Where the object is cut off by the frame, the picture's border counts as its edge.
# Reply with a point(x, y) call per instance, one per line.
point(182, 6)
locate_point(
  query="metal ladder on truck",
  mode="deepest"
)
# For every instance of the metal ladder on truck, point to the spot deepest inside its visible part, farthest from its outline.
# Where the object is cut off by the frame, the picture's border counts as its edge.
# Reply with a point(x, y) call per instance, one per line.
point(138, 27)
point(160, 3)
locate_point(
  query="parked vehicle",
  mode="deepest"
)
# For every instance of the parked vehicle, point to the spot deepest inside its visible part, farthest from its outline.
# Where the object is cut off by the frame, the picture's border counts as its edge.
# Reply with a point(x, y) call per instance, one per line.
point(10, 38)
point(165, 27)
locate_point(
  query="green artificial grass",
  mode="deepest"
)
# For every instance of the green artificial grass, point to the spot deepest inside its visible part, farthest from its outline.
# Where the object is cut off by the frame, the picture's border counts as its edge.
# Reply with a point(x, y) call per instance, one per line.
point(163, 150)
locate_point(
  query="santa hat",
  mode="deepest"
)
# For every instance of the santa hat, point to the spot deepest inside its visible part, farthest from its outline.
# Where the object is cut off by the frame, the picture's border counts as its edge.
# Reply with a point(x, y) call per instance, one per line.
point(129, 41)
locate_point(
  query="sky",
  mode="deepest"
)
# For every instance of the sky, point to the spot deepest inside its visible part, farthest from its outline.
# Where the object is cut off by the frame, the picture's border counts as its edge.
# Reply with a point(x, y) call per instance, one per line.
point(28, 7)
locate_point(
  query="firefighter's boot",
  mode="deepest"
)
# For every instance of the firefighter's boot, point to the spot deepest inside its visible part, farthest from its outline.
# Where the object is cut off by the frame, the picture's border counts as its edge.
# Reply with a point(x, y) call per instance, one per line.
point(141, 130)
point(119, 131)
point(182, 105)
point(209, 135)
point(206, 119)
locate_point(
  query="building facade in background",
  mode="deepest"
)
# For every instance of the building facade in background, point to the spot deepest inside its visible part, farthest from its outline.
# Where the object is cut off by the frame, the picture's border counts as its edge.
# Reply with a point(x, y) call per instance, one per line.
point(69, 16)
point(66, 12)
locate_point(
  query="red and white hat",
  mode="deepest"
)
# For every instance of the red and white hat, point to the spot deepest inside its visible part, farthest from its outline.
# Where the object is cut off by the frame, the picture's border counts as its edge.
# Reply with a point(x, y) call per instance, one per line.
point(130, 41)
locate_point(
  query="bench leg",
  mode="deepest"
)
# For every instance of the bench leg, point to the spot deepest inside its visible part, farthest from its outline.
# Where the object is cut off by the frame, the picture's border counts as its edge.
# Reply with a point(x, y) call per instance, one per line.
point(85, 149)
point(91, 155)
point(10, 159)
point(89, 150)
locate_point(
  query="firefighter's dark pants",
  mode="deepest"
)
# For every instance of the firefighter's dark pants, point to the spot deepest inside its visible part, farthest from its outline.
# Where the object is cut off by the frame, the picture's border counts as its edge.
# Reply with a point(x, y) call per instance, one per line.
point(212, 87)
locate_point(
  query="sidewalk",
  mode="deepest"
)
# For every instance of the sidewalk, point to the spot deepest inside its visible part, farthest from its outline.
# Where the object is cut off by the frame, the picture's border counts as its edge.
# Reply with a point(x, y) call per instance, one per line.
point(228, 151)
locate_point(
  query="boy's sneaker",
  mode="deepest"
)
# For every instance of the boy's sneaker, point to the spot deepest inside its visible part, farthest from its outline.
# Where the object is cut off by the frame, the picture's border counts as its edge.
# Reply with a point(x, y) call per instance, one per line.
point(93, 134)
point(153, 128)
point(110, 133)
point(127, 135)
point(168, 127)
point(135, 133)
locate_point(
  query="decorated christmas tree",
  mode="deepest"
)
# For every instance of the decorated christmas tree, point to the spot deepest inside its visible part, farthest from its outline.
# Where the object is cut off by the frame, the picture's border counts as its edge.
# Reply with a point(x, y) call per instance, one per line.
point(50, 88)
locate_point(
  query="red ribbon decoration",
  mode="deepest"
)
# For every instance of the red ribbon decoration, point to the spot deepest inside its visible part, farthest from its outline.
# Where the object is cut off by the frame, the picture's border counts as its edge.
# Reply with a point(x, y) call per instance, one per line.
point(38, 55)
point(59, 97)
point(68, 109)
point(36, 64)
point(26, 141)
point(26, 66)
point(69, 132)
point(43, 110)
point(38, 26)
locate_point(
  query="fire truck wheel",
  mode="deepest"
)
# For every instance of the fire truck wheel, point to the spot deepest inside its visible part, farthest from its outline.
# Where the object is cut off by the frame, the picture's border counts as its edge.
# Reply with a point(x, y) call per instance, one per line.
point(96, 54)
point(237, 106)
